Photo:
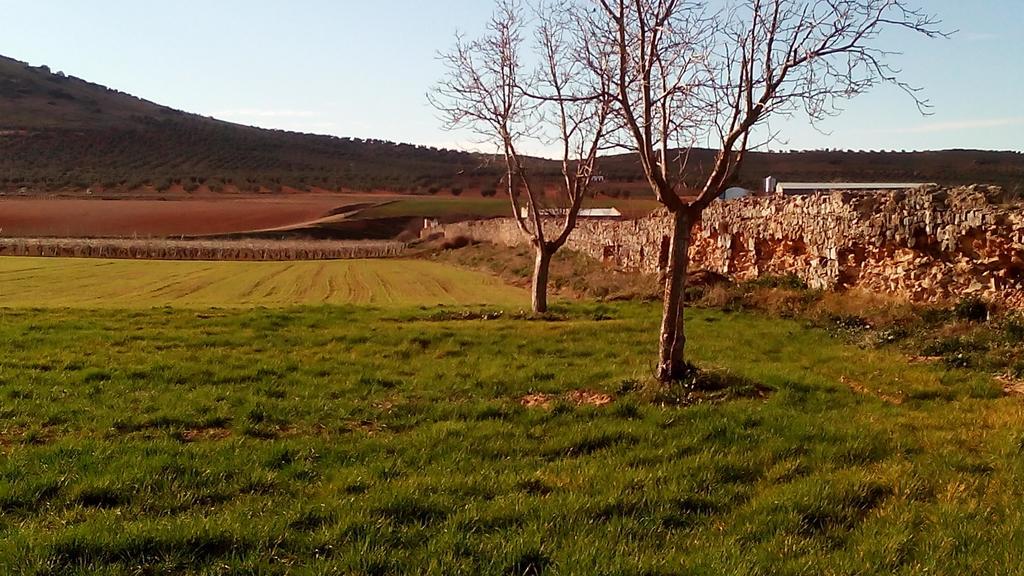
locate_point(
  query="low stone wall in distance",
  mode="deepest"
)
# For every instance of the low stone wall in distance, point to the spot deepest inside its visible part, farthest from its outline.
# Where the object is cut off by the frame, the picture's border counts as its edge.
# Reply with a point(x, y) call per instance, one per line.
point(931, 244)
point(251, 250)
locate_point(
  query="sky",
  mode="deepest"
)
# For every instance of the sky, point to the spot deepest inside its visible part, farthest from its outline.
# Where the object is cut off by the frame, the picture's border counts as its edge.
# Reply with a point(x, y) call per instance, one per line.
point(362, 68)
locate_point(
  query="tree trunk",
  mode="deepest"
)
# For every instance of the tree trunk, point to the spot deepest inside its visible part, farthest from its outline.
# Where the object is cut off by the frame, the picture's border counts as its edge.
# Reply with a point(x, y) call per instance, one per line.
point(540, 279)
point(671, 360)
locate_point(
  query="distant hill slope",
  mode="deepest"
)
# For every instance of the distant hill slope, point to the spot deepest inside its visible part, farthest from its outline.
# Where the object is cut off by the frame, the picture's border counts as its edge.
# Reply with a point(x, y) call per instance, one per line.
point(58, 132)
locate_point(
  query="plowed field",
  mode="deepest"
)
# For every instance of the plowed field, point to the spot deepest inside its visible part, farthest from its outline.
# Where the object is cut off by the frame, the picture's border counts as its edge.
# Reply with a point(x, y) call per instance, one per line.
point(79, 217)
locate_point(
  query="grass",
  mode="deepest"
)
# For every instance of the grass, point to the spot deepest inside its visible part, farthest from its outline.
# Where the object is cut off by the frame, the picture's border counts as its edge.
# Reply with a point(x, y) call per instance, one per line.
point(572, 274)
point(968, 333)
point(343, 440)
point(87, 283)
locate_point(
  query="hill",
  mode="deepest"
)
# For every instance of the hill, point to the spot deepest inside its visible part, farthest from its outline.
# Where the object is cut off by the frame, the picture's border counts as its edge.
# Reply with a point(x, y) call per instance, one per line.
point(59, 133)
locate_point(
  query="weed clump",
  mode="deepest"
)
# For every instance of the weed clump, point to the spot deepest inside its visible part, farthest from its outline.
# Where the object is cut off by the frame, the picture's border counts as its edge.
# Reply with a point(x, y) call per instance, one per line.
point(457, 243)
point(1013, 329)
point(847, 324)
point(464, 315)
point(786, 281)
point(971, 309)
point(949, 347)
point(892, 335)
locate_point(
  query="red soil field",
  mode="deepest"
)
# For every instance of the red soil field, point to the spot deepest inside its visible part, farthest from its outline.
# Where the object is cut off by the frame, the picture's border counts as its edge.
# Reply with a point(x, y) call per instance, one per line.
point(163, 217)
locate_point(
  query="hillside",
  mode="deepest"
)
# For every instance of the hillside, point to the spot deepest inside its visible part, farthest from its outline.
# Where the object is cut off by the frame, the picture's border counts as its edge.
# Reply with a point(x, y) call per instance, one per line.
point(61, 133)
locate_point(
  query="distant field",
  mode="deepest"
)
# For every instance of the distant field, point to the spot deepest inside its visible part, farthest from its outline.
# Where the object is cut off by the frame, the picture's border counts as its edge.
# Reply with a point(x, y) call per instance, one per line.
point(82, 217)
point(441, 207)
point(174, 216)
point(436, 207)
point(86, 283)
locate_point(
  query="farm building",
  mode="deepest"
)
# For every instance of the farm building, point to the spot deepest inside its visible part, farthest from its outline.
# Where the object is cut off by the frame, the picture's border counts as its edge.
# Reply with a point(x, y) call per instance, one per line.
point(585, 213)
point(805, 188)
point(734, 193)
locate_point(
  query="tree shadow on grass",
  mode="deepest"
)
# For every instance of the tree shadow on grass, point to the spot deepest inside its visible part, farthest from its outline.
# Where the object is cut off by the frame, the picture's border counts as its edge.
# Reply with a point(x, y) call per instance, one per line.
point(701, 386)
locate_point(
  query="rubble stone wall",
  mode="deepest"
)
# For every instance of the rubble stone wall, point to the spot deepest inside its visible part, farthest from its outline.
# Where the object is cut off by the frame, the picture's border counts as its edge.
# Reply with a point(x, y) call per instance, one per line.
point(932, 244)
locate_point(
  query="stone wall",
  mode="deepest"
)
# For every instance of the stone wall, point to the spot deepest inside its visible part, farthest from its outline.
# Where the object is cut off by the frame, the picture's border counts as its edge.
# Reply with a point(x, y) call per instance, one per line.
point(931, 244)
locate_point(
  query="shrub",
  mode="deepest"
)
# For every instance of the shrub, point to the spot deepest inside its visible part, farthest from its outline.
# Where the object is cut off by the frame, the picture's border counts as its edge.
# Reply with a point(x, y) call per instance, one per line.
point(971, 309)
point(943, 347)
point(892, 335)
point(1014, 329)
point(407, 236)
point(953, 350)
point(958, 360)
point(456, 243)
point(933, 316)
point(1017, 370)
point(850, 322)
point(788, 281)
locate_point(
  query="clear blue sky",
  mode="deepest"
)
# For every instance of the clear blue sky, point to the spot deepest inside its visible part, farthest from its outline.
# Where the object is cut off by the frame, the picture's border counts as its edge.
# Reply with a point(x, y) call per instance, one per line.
point(361, 68)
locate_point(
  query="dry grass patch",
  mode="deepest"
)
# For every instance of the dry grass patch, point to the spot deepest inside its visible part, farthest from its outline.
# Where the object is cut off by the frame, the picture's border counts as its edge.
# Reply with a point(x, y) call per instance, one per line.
point(862, 389)
point(577, 397)
point(205, 434)
point(589, 398)
point(536, 400)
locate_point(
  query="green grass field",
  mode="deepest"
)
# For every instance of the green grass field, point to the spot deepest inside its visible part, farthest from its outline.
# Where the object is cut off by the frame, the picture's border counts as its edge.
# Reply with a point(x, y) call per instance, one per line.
point(345, 440)
point(86, 283)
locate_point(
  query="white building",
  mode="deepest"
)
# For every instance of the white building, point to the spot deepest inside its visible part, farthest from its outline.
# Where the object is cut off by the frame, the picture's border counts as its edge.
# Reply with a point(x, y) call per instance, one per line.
point(804, 188)
point(734, 193)
point(598, 213)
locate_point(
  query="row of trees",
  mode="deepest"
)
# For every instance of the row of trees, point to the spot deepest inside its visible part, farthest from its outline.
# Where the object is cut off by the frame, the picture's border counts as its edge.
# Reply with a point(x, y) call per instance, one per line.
point(171, 152)
point(658, 78)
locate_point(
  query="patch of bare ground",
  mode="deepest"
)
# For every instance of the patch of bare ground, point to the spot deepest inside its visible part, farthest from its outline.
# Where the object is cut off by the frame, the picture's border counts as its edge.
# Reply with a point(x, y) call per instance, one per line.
point(1011, 386)
point(19, 435)
point(577, 397)
point(204, 434)
point(368, 427)
point(536, 400)
point(589, 398)
point(865, 391)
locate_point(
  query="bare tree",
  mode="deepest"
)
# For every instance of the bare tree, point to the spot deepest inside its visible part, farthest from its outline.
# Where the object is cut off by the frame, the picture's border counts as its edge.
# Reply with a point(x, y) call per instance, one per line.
point(561, 101)
point(682, 74)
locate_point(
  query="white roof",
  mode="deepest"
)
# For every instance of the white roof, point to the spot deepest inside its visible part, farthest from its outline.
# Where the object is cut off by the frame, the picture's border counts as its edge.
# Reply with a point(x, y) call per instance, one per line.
point(848, 185)
point(735, 192)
